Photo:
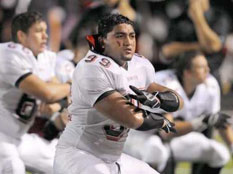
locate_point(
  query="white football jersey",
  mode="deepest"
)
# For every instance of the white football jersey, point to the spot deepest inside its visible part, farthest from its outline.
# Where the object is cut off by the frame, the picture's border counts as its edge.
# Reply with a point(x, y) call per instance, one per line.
point(94, 75)
point(205, 100)
point(17, 61)
point(64, 66)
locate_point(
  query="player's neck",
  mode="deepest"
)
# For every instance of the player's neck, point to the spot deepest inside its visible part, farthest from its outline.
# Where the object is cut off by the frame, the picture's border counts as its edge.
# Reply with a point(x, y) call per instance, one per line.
point(121, 63)
point(189, 87)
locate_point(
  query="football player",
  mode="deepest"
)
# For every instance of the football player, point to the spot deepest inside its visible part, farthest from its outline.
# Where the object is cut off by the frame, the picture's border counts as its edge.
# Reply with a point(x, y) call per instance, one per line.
point(201, 94)
point(201, 113)
point(100, 113)
point(26, 80)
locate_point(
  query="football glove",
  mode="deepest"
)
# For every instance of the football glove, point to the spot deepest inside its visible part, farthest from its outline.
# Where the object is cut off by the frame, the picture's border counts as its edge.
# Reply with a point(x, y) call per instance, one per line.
point(145, 100)
point(166, 101)
point(169, 126)
point(219, 120)
point(156, 121)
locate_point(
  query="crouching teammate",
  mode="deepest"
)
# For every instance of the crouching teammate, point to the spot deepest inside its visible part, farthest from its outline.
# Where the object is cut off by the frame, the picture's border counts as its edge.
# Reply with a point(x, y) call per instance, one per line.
point(101, 116)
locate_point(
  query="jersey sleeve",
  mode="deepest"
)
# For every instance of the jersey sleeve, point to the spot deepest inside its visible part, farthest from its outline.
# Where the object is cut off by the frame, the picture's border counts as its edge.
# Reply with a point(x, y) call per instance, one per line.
point(150, 73)
point(93, 82)
point(160, 78)
point(14, 68)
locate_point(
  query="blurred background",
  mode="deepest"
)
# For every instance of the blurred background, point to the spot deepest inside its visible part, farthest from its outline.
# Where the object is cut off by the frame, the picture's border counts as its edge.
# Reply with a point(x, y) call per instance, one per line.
point(165, 29)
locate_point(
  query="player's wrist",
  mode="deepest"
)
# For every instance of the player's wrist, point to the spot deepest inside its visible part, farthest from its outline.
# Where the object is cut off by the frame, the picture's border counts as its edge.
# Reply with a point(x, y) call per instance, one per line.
point(69, 83)
point(198, 124)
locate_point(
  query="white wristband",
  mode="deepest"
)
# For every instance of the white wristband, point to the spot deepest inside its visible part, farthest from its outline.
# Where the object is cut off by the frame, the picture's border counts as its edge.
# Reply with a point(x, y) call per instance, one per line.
point(198, 124)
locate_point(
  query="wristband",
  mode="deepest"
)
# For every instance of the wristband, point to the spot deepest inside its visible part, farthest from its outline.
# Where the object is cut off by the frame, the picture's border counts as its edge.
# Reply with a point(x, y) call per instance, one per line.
point(198, 124)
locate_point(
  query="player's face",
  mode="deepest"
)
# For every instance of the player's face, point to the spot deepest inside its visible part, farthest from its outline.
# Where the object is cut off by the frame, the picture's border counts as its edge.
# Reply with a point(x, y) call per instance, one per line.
point(36, 38)
point(200, 69)
point(120, 43)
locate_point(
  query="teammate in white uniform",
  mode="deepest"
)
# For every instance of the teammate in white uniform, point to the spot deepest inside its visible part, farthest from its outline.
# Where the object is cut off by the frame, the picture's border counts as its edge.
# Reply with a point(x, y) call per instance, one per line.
point(93, 140)
point(201, 94)
point(26, 69)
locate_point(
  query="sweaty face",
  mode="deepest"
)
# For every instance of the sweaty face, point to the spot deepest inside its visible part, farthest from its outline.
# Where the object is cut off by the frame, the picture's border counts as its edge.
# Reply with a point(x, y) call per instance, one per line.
point(120, 43)
point(36, 38)
point(200, 69)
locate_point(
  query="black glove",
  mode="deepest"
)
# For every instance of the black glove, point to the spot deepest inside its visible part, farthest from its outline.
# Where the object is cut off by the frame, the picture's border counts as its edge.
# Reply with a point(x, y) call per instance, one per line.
point(50, 131)
point(156, 121)
point(218, 120)
point(166, 101)
point(168, 127)
point(148, 101)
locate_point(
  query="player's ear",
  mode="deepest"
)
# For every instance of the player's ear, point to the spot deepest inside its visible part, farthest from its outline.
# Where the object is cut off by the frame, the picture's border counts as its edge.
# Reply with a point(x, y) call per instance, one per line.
point(21, 37)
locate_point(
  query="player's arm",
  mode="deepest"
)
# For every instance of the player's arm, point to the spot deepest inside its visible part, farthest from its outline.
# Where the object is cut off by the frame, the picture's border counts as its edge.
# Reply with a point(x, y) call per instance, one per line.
point(182, 127)
point(209, 41)
point(227, 135)
point(114, 106)
point(54, 80)
point(47, 92)
point(173, 49)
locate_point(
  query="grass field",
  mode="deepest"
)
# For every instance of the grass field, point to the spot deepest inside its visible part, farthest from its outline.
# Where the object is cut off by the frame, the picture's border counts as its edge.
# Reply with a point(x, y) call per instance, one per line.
point(184, 168)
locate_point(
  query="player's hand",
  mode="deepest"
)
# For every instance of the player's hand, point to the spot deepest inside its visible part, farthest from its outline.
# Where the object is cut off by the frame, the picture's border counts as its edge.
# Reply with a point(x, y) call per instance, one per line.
point(166, 125)
point(48, 109)
point(219, 120)
point(148, 101)
point(169, 126)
